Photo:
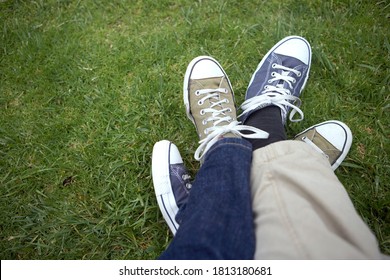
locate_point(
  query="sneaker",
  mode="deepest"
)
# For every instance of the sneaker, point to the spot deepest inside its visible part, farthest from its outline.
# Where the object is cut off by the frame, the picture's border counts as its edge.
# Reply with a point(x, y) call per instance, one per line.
point(280, 78)
point(209, 100)
point(333, 139)
point(171, 181)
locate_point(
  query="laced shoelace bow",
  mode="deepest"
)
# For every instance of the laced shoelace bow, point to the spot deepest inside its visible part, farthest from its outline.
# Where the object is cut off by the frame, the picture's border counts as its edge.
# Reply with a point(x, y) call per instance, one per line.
point(218, 116)
point(277, 95)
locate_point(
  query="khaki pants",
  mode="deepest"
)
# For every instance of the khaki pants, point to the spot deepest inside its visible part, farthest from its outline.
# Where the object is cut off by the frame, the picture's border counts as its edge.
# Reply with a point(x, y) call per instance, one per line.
point(301, 210)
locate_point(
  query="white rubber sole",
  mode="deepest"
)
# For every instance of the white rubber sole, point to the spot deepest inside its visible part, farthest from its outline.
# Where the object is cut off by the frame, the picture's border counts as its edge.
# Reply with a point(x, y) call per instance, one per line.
point(162, 184)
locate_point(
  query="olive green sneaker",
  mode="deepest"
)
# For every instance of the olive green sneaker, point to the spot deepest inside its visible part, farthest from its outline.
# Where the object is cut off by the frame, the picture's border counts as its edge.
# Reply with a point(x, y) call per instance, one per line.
point(333, 139)
point(209, 100)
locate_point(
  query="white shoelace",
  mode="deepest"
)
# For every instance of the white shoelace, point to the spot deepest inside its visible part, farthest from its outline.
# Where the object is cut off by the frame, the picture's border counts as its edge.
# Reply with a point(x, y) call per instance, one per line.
point(277, 95)
point(215, 132)
point(313, 145)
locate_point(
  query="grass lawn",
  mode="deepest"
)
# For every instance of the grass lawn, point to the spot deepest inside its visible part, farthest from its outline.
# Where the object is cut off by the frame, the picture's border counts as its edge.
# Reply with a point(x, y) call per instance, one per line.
point(87, 87)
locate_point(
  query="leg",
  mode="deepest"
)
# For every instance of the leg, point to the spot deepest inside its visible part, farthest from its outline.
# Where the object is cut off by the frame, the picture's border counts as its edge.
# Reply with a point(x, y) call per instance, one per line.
point(301, 209)
point(217, 222)
point(268, 119)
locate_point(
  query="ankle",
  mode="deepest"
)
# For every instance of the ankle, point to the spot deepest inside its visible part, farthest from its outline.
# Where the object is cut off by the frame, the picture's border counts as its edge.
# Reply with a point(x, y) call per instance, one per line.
point(268, 119)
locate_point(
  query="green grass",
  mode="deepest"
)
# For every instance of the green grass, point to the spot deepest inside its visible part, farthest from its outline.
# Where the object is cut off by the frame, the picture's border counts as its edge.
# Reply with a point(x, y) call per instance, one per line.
point(87, 88)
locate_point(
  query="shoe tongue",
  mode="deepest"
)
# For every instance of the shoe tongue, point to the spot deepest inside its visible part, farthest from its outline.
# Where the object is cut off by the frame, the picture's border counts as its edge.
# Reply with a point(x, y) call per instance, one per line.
point(290, 62)
point(230, 135)
point(281, 83)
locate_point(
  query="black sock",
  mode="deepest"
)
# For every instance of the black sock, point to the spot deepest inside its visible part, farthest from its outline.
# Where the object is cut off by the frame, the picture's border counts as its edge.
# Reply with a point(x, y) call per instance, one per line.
point(268, 119)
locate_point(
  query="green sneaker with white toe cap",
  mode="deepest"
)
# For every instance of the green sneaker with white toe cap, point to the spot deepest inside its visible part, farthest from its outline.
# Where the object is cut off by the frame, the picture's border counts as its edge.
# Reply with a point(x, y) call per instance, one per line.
point(209, 100)
point(332, 138)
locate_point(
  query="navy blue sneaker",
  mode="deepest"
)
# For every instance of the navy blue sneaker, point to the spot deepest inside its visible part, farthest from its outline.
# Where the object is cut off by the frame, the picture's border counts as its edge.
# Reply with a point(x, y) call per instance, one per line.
point(279, 79)
point(171, 181)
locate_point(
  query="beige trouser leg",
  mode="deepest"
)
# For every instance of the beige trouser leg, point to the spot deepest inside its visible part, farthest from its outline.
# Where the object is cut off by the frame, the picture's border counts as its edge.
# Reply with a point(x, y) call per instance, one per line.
point(301, 209)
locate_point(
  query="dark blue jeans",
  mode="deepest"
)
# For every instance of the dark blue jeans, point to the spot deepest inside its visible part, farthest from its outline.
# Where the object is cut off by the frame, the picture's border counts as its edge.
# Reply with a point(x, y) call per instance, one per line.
point(217, 222)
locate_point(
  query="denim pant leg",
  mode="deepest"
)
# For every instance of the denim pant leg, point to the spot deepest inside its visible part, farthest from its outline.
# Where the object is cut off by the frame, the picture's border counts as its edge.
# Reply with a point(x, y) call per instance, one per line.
point(217, 222)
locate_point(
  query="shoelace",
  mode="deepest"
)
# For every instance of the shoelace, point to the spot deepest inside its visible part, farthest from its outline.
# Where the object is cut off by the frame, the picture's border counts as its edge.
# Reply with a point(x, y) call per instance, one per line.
point(313, 145)
point(277, 95)
point(215, 132)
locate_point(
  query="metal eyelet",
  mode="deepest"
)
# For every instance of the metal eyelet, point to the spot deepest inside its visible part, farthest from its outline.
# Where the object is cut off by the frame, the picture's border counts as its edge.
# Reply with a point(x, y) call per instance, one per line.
point(200, 102)
point(274, 65)
point(299, 74)
point(202, 112)
point(197, 93)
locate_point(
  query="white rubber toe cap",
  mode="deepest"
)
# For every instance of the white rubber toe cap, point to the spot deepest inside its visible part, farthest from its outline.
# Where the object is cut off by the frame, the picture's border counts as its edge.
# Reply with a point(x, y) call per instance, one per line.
point(296, 47)
point(206, 67)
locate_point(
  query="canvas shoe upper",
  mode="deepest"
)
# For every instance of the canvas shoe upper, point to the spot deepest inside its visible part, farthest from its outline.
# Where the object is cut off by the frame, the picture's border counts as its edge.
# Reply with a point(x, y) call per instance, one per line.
point(209, 100)
point(333, 139)
point(279, 78)
point(171, 181)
